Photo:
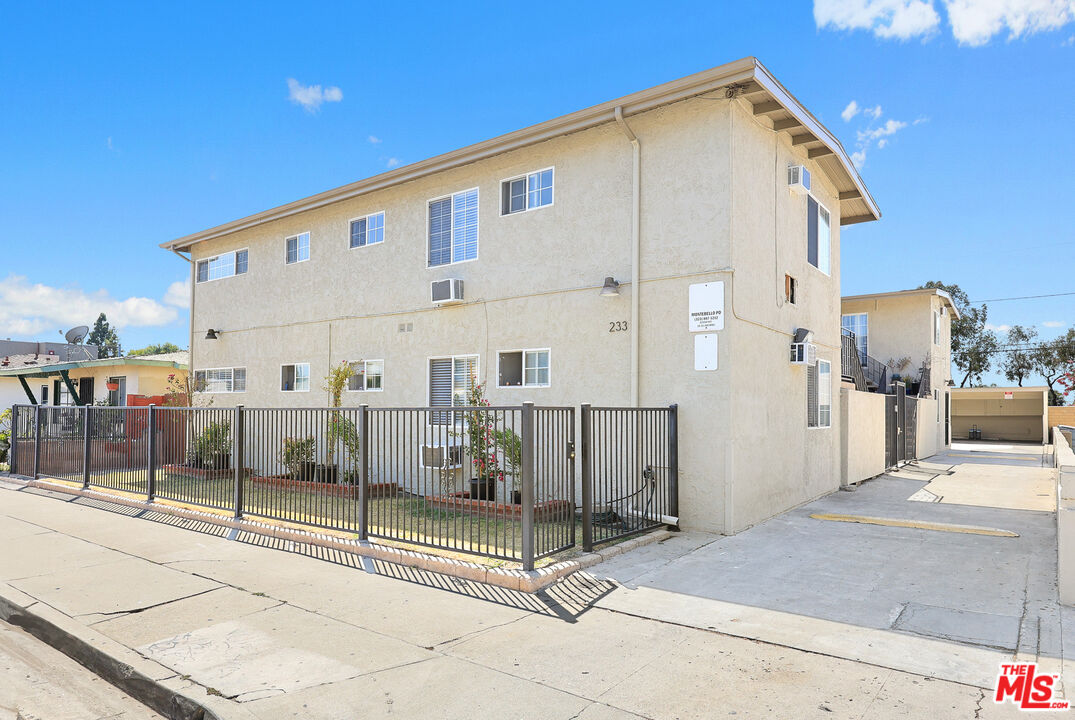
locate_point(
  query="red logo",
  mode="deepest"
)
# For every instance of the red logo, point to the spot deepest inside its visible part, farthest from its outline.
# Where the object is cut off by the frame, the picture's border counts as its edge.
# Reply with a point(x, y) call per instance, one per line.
point(1021, 683)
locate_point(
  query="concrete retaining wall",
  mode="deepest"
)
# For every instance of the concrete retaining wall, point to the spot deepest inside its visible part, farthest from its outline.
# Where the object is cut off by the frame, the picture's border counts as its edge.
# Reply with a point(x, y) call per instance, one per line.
point(927, 430)
point(862, 431)
point(1065, 516)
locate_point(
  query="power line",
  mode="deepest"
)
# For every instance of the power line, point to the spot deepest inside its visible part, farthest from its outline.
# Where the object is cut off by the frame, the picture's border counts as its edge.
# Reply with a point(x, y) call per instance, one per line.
point(1022, 297)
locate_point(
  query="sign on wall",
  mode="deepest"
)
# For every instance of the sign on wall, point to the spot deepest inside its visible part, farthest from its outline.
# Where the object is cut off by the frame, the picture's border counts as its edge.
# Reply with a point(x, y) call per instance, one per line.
point(706, 306)
point(705, 351)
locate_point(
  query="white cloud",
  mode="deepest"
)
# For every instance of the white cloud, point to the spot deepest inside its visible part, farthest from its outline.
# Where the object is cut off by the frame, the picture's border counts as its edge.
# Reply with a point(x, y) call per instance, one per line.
point(859, 158)
point(850, 111)
point(998, 328)
point(871, 136)
point(891, 127)
point(178, 294)
point(881, 143)
point(874, 112)
point(375, 140)
point(900, 19)
point(1070, 41)
point(1053, 324)
point(976, 22)
point(29, 309)
point(311, 96)
point(109, 144)
point(392, 162)
point(972, 22)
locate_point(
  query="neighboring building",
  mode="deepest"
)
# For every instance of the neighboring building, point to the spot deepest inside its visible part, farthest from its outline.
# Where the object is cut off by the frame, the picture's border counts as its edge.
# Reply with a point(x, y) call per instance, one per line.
point(910, 325)
point(690, 183)
point(47, 380)
point(1012, 414)
point(26, 353)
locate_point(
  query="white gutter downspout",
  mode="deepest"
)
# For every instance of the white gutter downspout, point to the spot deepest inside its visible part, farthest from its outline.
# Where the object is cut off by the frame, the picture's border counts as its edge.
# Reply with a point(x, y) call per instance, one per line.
point(636, 218)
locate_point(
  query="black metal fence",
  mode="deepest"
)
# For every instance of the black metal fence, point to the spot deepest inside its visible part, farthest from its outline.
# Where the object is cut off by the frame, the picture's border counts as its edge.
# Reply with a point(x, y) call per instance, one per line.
point(492, 481)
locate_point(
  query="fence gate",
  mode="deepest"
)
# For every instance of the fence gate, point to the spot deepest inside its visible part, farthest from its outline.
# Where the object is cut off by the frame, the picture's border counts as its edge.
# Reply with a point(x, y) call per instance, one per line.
point(630, 471)
point(895, 423)
point(910, 428)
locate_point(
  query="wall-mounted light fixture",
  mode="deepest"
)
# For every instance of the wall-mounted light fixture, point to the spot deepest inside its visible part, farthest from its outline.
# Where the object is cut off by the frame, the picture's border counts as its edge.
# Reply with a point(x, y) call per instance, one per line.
point(211, 334)
point(611, 288)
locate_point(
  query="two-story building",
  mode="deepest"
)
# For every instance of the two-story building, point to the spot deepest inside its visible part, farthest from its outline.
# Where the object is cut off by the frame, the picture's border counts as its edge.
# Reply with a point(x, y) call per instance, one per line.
point(664, 247)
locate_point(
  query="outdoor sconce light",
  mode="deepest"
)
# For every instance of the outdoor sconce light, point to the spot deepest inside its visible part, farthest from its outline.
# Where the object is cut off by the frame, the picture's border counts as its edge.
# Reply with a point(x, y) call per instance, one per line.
point(211, 335)
point(611, 288)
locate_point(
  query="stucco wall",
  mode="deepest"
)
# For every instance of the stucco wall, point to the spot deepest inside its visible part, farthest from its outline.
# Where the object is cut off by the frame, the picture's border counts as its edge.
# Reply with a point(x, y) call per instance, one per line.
point(862, 447)
point(1065, 516)
point(926, 440)
point(711, 176)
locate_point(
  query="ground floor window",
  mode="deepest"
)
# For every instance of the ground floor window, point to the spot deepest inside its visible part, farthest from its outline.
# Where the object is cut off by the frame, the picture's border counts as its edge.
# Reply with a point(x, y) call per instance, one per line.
point(220, 380)
point(450, 379)
point(295, 378)
point(527, 368)
point(367, 376)
point(819, 395)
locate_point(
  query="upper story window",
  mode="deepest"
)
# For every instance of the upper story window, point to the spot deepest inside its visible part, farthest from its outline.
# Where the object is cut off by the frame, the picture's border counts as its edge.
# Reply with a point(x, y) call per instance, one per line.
point(819, 395)
point(526, 368)
point(367, 230)
point(936, 327)
point(222, 266)
point(818, 235)
point(295, 378)
point(526, 192)
point(297, 248)
point(367, 376)
point(453, 228)
point(220, 380)
point(858, 323)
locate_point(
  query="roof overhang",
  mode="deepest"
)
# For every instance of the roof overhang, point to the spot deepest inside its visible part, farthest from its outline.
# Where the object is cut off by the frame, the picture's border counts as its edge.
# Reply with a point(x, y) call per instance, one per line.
point(44, 371)
point(747, 78)
point(903, 293)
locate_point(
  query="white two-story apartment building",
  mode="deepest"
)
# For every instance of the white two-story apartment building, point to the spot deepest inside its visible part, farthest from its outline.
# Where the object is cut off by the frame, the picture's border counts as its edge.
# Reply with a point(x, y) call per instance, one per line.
point(664, 247)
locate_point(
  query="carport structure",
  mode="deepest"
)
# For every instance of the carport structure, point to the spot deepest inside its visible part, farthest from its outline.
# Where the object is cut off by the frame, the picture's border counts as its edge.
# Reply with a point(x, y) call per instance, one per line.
point(1012, 414)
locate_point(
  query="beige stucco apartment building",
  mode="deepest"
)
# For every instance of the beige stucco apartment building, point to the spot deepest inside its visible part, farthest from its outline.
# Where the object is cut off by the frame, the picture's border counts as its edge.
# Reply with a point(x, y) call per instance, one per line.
point(685, 185)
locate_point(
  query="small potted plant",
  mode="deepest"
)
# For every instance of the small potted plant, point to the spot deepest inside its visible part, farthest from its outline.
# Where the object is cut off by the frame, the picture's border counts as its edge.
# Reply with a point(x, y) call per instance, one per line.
point(212, 447)
point(298, 457)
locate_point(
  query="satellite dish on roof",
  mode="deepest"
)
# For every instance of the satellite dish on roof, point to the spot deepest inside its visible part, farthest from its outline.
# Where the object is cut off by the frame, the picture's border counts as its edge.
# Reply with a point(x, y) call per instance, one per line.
point(77, 334)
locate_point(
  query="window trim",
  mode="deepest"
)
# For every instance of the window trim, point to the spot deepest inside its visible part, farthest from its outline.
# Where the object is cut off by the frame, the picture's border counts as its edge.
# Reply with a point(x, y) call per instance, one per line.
point(451, 242)
point(295, 364)
point(365, 378)
point(524, 385)
point(207, 260)
point(820, 206)
point(309, 247)
point(367, 218)
point(867, 315)
point(818, 425)
point(526, 176)
point(220, 392)
point(429, 378)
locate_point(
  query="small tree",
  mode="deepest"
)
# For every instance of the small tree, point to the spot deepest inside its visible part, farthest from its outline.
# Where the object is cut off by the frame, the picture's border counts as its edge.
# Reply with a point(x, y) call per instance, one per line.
point(340, 429)
point(1054, 359)
point(1019, 363)
point(104, 336)
point(159, 349)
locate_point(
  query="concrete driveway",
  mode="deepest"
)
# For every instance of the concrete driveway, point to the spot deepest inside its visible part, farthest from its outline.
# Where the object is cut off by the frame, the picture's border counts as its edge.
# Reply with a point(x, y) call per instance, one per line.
point(937, 588)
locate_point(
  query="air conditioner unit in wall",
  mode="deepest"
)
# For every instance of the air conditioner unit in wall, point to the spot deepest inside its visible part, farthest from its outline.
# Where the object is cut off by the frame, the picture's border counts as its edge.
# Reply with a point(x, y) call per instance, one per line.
point(803, 353)
point(445, 457)
point(799, 179)
point(445, 292)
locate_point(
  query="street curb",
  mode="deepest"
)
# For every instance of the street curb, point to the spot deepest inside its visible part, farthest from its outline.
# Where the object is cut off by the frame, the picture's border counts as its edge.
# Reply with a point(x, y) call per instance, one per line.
point(109, 660)
point(530, 581)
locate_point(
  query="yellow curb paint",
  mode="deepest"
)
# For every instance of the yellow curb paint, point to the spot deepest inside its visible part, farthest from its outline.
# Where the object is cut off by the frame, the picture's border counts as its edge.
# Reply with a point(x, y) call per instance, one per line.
point(892, 522)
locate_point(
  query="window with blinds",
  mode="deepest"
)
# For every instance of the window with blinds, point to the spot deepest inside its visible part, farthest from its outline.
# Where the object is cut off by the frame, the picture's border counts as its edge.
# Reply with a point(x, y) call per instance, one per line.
point(220, 380)
point(811, 396)
point(819, 395)
point(450, 379)
point(453, 228)
point(818, 235)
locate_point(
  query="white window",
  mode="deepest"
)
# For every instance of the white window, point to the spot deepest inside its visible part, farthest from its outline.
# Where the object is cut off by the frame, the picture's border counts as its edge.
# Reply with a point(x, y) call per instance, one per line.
point(222, 266)
point(450, 379)
point(368, 376)
point(367, 230)
point(295, 378)
point(818, 235)
point(936, 328)
point(453, 228)
point(526, 368)
point(819, 395)
point(858, 323)
point(220, 380)
point(297, 248)
point(526, 192)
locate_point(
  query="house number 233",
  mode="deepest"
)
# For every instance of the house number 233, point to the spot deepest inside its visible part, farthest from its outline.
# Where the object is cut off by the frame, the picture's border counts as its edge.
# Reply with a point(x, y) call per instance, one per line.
point(618, 326)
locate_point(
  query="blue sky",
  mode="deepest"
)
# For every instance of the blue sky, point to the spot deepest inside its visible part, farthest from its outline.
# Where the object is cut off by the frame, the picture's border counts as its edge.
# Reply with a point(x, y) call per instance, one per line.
point(128, 125)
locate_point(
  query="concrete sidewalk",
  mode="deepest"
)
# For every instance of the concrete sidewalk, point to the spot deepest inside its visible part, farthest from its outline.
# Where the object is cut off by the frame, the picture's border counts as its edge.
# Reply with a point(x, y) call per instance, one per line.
point(258, 629)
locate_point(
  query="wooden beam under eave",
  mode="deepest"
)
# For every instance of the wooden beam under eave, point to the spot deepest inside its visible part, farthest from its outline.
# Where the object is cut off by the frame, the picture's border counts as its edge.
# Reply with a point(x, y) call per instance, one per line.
point(788, 124)
point(855, 219)
point(803, 139)
point(767, 107)
point(850, 195)
point(819, 152)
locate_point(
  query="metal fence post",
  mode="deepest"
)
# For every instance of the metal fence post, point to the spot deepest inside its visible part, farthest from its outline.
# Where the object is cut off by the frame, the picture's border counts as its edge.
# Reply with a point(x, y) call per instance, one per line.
point(587, 479)
point(86, 446)
point(237, 458)
point(13, 438)
point(151, 472)
point(363, 472)
point(673, 459)
point(527, 485)
point(37, 441)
